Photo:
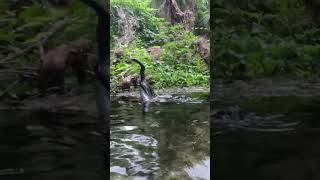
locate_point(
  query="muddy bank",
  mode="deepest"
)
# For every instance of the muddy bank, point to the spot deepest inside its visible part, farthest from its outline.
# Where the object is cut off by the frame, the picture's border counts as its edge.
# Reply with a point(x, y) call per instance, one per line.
point(271, 87)
point(83, 100)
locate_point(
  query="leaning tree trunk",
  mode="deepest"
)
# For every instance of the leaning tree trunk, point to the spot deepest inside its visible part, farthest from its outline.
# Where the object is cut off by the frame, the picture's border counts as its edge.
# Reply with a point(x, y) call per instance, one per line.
point(203, 47)
point(126, 25)
point(171, 11)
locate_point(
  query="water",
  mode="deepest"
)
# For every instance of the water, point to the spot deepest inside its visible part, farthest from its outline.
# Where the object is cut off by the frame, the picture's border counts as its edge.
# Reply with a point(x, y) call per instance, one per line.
point(292, 154)
point(171, 141)
point(39, 146)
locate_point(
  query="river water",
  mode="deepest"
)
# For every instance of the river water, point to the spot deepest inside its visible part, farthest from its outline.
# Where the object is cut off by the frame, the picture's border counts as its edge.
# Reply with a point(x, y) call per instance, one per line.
point(170, 141)
point(258, 138)
point(284, 147)
point(38, 145)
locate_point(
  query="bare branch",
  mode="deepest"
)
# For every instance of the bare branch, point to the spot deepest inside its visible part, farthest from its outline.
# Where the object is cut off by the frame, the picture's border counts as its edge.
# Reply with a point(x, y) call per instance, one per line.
point(12, 85)
point(41, 39)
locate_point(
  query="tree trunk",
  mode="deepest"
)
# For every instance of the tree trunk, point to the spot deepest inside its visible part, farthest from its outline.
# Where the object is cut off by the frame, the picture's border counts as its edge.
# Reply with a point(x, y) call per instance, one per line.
point(171, 11)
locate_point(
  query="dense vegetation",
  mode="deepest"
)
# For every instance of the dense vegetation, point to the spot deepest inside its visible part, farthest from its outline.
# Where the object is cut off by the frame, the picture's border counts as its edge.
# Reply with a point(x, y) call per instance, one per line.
point(21, 27)
point(264, 38)
point(179, 64)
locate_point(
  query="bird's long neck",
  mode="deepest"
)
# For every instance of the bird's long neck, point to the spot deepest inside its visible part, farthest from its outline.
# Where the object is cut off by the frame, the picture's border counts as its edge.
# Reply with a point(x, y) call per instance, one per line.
point(142, 69)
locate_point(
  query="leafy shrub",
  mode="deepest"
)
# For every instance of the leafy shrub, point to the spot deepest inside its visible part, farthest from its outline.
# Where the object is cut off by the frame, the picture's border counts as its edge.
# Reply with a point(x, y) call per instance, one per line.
point(264, 38)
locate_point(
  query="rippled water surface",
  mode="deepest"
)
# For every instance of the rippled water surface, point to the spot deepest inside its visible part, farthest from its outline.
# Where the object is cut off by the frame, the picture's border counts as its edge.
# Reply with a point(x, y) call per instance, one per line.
point(40, 146)
point(277, 138)
point(170, 141)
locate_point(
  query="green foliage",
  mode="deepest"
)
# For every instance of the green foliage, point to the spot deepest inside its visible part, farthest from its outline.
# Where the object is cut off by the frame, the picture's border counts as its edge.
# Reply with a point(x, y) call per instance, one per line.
point(179, 63)
point(176, 67)
point(202, 18)
point(178, 44)
point(148, 24)
point(7, 23)
point(20, 32)
point(264, 38)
